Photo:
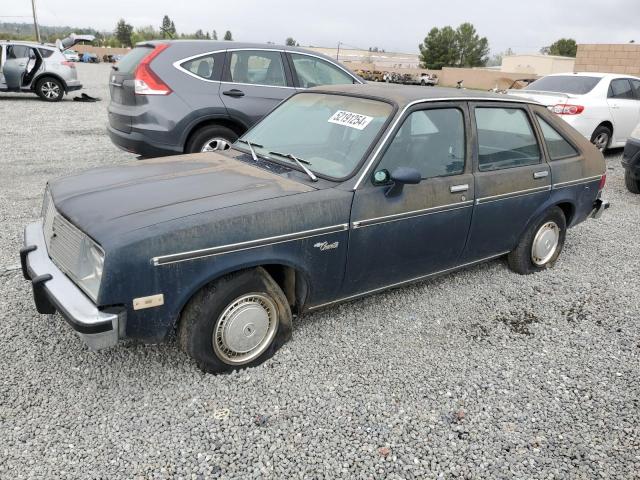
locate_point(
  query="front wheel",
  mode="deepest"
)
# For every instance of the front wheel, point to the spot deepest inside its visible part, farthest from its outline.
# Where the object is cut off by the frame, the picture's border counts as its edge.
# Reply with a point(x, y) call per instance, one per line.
point(540, 246)
point(632, 182)
point(211, 138)
point(50, 89)
point(238, 321)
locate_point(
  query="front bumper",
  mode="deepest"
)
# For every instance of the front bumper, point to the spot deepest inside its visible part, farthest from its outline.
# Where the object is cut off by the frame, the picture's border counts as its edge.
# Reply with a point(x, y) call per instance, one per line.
point(599, 206)
point(53, 291)
point(631, 157)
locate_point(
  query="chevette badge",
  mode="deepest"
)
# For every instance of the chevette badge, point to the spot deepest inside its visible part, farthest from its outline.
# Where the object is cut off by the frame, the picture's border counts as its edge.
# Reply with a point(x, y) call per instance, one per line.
point(326, 245)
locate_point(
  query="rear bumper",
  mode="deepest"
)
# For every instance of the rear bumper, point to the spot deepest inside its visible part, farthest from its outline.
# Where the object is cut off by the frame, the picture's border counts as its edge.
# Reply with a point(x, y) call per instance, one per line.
point(53, 291)
point(136, 143)
point(73, 85)
point(599, 206)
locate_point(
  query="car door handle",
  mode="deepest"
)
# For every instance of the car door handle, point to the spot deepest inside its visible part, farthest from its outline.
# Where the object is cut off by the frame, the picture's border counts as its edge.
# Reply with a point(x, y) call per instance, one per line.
point(234, 92)
point(542, 174)
point(21, 64)
point(459, 188)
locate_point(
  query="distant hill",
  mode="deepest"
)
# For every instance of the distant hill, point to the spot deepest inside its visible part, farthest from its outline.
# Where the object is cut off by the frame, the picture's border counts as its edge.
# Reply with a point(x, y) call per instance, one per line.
point(26, 31)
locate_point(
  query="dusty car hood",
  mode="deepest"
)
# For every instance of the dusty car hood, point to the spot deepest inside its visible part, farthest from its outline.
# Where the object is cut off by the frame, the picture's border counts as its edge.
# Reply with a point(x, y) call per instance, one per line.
point(112, 200)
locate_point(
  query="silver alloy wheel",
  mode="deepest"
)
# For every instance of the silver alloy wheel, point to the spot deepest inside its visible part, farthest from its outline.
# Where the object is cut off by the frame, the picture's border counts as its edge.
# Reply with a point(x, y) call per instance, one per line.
point(245, 329)
point(545, 243)
point(215, 144)
point(50, 90)
point(601, 141)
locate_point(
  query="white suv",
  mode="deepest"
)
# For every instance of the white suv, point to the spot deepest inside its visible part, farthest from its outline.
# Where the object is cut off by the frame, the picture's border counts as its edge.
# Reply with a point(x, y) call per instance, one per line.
point(603, 107)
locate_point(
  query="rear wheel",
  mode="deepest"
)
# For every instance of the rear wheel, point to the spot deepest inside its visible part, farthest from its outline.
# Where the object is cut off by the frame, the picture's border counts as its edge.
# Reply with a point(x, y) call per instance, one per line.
point(632, 183)
point(50, 89)
point(211, 138)
point(236, 322)
point(540, 246)
point(601, 137)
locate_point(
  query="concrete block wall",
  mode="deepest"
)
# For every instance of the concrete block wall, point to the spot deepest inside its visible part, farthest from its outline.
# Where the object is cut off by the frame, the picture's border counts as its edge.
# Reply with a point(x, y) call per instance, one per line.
point(609, 58)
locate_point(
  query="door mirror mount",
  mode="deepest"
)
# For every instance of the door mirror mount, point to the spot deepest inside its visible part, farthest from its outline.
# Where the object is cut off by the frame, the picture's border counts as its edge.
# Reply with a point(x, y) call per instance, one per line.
point(400, 177)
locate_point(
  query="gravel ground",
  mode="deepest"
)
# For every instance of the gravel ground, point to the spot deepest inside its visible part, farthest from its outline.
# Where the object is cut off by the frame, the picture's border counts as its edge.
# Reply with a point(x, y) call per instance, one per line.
point(479, 374)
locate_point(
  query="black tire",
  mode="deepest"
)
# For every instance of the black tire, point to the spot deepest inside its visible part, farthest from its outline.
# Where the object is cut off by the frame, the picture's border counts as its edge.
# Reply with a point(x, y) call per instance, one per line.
point(598, 135)
point(206, 134)
point(521, 258)
point(204, 314)
point(632, 182)
point(50, 89)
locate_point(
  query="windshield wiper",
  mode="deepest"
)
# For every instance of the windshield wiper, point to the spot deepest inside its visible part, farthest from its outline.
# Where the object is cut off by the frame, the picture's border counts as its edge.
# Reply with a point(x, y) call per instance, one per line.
point(253, 152)
point(300, 163)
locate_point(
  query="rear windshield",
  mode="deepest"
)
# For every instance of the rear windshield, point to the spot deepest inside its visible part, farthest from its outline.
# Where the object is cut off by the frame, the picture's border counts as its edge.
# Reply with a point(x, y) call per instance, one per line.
point(572, 84)
point(130, 61)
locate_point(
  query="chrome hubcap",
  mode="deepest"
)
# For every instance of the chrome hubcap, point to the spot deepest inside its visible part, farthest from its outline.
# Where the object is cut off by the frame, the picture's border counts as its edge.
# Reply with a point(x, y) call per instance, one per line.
point(215, 144)
point(245, 329)
point(601, 141)
point(50, 90)
point(545, 243)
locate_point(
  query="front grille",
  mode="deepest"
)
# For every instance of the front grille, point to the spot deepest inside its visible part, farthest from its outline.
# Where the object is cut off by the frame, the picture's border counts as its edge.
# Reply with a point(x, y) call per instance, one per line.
point(64, 240)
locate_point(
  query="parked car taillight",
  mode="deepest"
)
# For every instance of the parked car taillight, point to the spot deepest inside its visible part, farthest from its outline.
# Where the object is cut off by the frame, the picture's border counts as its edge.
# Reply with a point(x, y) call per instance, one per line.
point(69, 64)
point(603, 181)
point(146, 81)
point(567, 109)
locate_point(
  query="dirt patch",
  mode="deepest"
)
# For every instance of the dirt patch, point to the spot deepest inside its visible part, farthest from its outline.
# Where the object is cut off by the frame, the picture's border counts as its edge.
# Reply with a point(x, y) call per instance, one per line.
point(518, 321)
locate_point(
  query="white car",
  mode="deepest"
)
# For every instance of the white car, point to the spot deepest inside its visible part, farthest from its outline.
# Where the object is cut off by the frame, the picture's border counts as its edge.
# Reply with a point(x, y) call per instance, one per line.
point(604, 107)
point(71, 55)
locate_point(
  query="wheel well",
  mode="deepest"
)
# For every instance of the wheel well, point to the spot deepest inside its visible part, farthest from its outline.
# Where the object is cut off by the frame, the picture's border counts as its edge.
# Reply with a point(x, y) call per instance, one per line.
point(568, 209)
point(293, 284)
point(36, 80)
point(607, 124)
point(237, 127)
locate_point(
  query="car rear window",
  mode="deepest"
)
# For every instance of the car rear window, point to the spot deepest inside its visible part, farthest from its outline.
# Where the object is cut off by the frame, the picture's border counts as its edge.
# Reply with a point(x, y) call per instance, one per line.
point(130, 61)
point(572, 84)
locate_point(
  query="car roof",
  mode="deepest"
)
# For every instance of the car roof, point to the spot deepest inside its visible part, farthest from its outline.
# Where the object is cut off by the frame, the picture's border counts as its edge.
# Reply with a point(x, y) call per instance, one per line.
point(403, 95)
point(31, 44)
point(591, 74)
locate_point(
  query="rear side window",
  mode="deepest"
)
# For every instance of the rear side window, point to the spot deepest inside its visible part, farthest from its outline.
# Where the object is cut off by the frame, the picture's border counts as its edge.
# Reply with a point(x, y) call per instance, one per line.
point(45, 52)
point(431, 141)
point(505, 139)
point(313, 71)
point(557, 146)
point(620, 88)
point(257, 68)
point(201, 66)
point(130, 61)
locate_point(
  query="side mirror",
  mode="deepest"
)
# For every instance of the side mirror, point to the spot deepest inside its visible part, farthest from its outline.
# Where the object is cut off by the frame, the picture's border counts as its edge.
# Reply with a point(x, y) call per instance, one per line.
point(400, 177)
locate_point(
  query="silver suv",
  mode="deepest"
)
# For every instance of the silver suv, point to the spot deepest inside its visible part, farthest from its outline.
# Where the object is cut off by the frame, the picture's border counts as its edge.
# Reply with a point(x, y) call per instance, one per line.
point(30, 67)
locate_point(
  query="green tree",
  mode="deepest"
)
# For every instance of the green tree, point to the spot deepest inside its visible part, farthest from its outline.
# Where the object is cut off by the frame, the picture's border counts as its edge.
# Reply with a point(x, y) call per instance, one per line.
point(168, 28)
point(214, 35)
point(446, 47)
point(439, 49)
point(565, 47)
point(123, 33)
point(228, 36)
point(199, 34)
point(290, 42)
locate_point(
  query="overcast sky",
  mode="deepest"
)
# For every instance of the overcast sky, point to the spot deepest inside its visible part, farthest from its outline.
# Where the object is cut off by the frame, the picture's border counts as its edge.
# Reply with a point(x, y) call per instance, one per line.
point(395, 25)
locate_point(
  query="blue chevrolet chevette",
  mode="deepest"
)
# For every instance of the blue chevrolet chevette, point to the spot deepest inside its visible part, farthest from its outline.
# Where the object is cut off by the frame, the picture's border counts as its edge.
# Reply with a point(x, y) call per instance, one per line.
point(340, 192)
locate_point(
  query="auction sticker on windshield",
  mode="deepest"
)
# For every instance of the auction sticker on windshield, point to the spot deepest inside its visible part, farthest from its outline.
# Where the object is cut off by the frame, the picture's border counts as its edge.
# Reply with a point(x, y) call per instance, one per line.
point(350, 119)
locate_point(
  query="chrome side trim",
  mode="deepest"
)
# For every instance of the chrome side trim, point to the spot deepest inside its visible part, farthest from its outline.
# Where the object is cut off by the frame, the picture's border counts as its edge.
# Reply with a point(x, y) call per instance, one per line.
point(248, 245)
point(383, 143)
point(178, 65)
point(404, 282)
point(287, 87)
point(519, 193)
point(412, 214)
point(579, 181)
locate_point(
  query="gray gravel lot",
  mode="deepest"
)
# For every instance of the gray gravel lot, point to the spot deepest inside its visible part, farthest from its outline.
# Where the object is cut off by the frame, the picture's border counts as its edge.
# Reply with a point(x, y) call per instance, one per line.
point(479, 374)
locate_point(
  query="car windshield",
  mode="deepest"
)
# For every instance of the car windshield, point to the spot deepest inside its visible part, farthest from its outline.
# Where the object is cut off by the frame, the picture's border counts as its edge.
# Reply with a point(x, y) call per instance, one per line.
point(571, 84)
point(329, 133)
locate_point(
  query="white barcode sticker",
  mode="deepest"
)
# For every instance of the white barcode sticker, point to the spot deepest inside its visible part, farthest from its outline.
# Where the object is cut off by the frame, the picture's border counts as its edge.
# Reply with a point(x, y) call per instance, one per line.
point(350, 119)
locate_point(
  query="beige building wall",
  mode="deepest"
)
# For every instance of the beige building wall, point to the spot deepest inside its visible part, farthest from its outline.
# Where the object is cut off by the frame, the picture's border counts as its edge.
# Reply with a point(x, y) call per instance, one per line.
point(609, 58)
point(537, 64)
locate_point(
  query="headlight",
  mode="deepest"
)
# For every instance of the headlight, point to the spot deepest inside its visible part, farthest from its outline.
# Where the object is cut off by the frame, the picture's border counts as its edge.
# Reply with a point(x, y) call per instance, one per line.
point(636, 132)
point(89, 267)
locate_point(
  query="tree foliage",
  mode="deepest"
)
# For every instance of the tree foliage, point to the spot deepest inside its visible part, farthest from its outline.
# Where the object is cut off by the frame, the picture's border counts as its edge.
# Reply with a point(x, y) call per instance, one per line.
point(565, 47)
point(214, 35)
point(123, 33)
point(446, 47)
point(290, 42)
point(228, 36)
point(168, 28)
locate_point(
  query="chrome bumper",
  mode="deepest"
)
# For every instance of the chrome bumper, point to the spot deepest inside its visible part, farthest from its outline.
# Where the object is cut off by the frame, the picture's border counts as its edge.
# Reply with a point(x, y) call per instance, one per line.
point(53, 291)
point(599, 206)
